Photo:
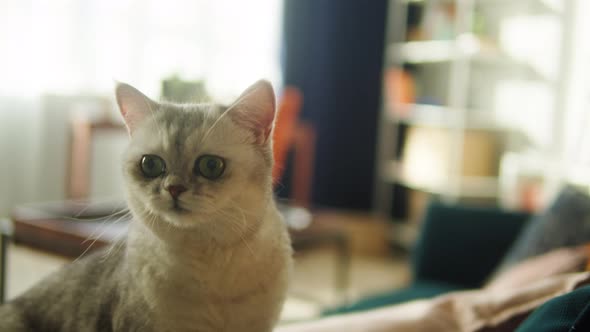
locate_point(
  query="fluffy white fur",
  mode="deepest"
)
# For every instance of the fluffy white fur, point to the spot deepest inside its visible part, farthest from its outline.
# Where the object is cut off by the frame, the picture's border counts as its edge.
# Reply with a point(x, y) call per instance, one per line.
point(223, 262)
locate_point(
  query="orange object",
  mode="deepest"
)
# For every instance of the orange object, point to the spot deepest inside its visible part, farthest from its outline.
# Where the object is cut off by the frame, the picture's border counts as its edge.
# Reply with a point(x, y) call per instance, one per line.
point(285, 125)
point(292, 134)
point(400, 87)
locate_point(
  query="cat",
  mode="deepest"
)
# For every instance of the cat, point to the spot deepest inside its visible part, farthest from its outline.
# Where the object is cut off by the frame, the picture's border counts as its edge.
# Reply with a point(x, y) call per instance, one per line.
point(207, 249)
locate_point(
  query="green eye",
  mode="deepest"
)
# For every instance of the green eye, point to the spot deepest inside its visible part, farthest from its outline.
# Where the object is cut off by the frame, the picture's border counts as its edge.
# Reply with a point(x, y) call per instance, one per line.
point(152, 166)
point(210, 167)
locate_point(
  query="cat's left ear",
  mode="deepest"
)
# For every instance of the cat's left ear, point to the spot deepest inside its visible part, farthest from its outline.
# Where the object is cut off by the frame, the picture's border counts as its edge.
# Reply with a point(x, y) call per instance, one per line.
point(255, 109)
point(134, 105)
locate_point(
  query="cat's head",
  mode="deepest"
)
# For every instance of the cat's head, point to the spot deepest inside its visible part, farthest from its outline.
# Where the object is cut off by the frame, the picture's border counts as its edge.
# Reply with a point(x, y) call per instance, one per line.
point(193, 164)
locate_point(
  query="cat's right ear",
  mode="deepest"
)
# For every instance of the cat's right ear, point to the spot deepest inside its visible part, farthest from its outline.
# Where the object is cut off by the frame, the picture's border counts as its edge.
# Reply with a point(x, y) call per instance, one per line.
point(134, 105)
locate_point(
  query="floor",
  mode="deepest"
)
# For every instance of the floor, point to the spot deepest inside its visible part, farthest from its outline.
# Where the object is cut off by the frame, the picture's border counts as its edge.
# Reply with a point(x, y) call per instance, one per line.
point(311, 291)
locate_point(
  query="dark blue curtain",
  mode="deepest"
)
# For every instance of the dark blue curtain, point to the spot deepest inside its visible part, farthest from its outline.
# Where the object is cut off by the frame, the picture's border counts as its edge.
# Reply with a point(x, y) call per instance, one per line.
point(333, 51)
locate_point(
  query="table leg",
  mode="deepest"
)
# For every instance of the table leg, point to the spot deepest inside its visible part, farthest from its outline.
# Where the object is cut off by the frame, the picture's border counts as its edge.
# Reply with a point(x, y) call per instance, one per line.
point(5, 235)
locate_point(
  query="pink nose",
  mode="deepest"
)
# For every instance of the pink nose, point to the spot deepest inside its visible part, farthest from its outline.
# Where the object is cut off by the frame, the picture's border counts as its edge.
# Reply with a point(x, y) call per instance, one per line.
point(175, 190)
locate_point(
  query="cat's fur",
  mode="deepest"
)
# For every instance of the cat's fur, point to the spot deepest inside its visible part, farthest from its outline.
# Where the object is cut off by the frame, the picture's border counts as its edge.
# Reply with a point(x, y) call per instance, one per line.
point(220, 265)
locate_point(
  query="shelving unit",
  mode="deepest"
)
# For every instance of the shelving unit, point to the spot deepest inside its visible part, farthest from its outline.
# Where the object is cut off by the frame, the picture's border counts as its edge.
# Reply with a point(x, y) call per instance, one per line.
point(467, 46)
point(442, 117)
point(459, 115)
point(472, 186)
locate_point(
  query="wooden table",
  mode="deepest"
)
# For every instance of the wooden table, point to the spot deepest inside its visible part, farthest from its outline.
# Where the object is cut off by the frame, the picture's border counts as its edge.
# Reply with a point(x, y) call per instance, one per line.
point(68, 228)
point(74, 228)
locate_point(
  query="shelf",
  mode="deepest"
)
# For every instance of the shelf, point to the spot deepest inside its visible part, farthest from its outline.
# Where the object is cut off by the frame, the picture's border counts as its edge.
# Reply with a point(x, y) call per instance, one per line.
point(553, 6)
point(550, 6)
point(428, 51)
point(444, 117)
point(467, 47)
point(469, 187)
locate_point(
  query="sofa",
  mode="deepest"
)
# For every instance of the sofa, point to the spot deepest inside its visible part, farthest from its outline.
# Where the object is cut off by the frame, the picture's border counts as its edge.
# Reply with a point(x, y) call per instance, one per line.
point(481, 269)
point(458, 248)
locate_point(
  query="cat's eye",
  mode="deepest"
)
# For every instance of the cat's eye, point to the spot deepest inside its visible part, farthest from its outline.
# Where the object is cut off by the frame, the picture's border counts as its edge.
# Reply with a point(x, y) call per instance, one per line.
point(152, 166)
point(210, 167)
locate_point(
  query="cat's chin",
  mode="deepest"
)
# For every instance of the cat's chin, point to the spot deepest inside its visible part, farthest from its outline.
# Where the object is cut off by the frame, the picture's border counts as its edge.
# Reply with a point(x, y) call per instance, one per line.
point(176, 209)
point(180, 218)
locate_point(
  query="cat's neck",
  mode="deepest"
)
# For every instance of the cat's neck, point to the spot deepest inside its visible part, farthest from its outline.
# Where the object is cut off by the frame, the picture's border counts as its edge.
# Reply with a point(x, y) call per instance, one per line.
point(193, 250)
point(173, 269)
point(157, 240)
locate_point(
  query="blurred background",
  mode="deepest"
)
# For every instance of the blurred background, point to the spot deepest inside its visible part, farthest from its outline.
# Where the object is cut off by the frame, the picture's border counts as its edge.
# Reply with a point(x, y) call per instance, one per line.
point(386, 107)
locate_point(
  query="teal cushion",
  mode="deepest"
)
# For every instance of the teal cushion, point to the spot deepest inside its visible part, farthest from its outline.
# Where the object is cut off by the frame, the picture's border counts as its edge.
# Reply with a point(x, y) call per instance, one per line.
point(418, 290)
point(462, 245)
point(570, 312)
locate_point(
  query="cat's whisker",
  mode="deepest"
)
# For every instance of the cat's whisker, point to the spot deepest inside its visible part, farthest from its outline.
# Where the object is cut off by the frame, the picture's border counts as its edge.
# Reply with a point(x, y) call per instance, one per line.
point(241, 99)
point(154, 220)
point(96, 238)
point(241, 227)
point(232, 218)
point(98, 202)
point(151, 219)
point(112, 249)
point(169, 226)
point(244, 240)
point(103, 223)
point(84, 209)
point(96, 229)
point(243, 211)
point(97, 219)
point(208, 132)
point(115, 247)
point(236, 204)
point(242, 223)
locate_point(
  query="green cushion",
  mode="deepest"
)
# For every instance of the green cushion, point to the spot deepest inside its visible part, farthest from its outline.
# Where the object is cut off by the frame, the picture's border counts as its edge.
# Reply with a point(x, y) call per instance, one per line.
point(570, 312)
point(462, 245)
point(418, 290)
point(458, 248)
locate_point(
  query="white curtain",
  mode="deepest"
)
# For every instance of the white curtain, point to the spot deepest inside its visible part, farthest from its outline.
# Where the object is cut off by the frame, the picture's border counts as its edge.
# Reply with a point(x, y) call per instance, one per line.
point(576, 125)
point(73, 48)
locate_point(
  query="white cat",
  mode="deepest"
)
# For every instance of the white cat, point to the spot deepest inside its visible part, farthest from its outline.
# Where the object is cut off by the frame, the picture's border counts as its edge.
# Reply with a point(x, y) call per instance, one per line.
point(207, 250)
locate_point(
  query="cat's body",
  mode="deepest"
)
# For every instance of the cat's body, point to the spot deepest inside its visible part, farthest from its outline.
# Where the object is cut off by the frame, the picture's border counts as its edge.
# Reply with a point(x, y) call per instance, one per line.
point(84, 296)
point(207, 250)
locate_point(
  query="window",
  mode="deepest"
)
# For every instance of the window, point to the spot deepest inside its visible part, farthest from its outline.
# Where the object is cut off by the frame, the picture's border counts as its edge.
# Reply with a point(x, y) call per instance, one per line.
point(73, 46)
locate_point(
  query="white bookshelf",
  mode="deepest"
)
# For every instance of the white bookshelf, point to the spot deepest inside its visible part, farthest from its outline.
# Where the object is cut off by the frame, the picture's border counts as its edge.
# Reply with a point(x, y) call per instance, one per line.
point(472, 186)
point(466, 46)
point(444, 117)
point(463, 56)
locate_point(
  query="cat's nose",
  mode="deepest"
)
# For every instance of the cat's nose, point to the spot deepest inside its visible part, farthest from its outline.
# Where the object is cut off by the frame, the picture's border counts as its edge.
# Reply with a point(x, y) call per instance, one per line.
point(175, 190)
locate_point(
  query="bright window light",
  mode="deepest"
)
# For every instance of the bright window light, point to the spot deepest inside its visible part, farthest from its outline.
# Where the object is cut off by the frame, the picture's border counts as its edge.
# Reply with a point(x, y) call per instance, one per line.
point(72, 47)
point(526, 38)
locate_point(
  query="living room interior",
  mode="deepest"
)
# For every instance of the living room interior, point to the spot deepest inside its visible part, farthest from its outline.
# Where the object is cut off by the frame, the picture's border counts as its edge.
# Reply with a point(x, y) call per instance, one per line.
point(426, 151)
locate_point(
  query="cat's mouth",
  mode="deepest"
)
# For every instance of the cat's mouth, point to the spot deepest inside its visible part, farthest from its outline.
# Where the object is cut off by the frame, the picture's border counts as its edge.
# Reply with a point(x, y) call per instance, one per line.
point(177, 208)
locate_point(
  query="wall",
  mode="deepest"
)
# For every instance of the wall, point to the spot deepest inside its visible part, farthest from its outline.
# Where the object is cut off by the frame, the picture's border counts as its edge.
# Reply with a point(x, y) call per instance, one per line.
point(333, 52)
point(34, 145)
point(19, 151)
